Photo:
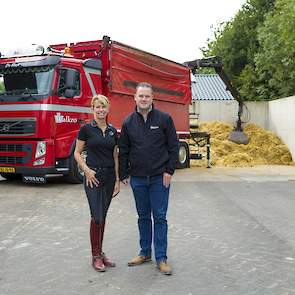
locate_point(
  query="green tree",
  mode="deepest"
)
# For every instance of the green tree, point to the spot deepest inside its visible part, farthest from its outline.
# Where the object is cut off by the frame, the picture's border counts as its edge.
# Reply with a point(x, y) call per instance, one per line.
point(275, 60)
point(237, 43)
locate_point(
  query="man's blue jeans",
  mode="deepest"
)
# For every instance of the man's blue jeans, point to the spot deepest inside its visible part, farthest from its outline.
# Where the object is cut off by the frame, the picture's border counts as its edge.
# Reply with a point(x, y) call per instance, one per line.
point(151, 197)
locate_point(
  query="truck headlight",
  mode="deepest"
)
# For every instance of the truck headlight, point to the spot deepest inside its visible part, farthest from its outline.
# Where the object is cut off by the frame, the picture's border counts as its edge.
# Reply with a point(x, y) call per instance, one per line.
point(40, 149)
point(39, 162)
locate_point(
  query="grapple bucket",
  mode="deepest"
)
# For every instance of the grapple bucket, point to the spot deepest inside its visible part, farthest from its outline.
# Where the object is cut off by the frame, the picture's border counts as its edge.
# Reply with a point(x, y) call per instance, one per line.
point(238, 137)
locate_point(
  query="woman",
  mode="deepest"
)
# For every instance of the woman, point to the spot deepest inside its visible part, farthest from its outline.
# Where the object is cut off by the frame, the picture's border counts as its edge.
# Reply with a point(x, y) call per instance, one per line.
point(101, 180)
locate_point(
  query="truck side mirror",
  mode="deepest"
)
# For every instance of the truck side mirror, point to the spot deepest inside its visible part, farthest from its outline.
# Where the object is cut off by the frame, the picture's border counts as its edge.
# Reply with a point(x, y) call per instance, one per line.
point(70, 80)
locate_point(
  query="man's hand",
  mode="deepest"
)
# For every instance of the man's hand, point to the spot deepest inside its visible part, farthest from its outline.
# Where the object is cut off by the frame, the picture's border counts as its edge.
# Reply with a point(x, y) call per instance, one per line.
point(166, 179)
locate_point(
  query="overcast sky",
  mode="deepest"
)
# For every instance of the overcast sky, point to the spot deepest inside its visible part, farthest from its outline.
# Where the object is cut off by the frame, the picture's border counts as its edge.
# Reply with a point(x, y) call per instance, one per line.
point(172, 29)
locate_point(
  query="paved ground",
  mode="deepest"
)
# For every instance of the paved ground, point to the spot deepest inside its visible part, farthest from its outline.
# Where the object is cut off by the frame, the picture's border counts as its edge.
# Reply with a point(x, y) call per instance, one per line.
point(231, 231)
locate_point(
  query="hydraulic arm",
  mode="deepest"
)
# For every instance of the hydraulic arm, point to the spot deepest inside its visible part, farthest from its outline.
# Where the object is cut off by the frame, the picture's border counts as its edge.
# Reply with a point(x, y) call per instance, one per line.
point(215, 62)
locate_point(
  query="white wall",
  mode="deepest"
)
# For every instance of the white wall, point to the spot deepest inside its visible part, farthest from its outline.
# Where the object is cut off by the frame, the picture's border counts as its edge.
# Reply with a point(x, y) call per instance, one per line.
point(282, 121)
point(258, 113)
point(277, 116)
point(227, 111)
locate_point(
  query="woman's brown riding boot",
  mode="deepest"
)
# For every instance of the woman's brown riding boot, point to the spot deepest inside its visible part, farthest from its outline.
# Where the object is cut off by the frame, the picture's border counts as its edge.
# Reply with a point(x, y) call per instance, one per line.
point(96, 242)
point(106, 260)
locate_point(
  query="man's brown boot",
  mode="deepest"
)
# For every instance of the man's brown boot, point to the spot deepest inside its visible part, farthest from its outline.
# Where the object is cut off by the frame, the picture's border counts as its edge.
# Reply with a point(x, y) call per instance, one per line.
point(165, 268)
point(139, 260)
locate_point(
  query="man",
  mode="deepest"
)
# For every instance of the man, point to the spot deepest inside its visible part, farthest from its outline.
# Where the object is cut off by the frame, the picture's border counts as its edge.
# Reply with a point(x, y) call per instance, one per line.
point(148, 152)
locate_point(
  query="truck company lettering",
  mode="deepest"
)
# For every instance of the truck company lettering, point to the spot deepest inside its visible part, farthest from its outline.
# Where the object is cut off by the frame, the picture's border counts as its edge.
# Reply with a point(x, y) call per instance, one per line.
point(59, 118)
point(13, 65)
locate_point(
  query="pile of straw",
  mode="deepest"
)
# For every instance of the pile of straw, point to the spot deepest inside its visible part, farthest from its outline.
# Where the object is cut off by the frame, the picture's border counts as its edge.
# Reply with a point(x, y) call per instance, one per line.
point(264, 148)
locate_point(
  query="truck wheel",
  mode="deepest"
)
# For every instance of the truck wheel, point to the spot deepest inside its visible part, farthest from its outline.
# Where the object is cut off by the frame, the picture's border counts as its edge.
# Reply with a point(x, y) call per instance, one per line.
point(183, 155)
point(10, 176)
point(76, 175)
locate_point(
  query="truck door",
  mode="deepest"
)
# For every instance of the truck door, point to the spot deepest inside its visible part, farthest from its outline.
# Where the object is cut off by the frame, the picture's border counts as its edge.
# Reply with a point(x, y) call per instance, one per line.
point(70, 111)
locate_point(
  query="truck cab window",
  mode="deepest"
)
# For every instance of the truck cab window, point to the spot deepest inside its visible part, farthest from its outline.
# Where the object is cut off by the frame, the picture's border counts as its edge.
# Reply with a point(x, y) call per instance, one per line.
point(62, 83)
point(25, 83)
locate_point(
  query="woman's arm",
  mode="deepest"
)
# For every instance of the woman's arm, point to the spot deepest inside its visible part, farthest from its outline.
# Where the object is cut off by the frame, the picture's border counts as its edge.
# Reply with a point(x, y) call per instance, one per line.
point(89, 173)
point(116, 160)
point(80, 144)
point(124, 147)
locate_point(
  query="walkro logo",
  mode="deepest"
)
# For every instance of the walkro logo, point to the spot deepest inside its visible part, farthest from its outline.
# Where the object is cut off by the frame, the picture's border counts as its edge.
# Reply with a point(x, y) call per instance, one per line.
point(59, 118)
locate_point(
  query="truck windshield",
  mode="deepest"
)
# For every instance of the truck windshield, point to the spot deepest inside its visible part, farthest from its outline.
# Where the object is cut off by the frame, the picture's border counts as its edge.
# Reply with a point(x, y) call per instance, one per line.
point(25, 83)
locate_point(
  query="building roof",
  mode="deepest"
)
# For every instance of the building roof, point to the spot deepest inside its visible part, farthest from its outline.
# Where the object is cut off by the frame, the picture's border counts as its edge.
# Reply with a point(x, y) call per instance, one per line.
point(209, 87)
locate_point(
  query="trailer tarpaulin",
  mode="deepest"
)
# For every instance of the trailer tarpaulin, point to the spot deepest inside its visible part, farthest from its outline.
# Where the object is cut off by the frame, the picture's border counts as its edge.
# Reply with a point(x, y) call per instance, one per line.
point(129, 66)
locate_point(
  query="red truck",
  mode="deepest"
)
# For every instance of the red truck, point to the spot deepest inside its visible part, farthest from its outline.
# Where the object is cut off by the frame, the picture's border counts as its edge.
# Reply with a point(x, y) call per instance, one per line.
point(45, 98)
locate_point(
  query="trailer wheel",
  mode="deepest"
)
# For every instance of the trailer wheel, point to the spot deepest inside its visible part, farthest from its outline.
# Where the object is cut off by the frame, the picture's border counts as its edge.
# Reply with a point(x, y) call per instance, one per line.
point(10, 176)
point(76, 175)
point(183, 155)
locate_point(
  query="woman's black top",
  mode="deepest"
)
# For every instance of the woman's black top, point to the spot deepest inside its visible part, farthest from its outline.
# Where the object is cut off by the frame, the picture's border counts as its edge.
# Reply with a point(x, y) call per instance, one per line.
point(100, 146)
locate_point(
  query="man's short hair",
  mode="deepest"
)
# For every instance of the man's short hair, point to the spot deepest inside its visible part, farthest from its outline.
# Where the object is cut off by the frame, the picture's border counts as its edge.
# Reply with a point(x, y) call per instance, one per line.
point(144, 85)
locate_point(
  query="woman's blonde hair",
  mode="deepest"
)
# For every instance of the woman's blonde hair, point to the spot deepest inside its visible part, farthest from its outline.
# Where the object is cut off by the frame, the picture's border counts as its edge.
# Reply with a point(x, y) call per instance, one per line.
point(100, 99)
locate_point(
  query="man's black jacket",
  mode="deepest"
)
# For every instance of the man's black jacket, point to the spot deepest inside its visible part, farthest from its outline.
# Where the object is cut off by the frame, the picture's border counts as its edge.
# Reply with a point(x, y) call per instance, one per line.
point(148, 148)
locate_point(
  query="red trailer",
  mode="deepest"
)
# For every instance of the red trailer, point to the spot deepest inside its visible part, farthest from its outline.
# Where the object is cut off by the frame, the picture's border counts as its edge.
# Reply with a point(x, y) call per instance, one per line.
point(46, 98)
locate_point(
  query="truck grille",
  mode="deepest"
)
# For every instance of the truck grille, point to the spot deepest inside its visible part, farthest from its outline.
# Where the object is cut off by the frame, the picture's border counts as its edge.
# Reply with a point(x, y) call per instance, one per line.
point(11, 147)
point(10, 160)
point(17, 126)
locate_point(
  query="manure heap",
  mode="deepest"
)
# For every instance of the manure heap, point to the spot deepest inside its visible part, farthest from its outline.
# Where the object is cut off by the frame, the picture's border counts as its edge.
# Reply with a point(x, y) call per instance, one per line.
point(264, 148)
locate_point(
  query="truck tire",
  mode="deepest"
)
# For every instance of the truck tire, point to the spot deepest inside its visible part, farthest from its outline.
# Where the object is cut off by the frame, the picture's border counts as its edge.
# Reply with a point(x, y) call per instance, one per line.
point(10, 176)
point(183, 155)
point(76, 175)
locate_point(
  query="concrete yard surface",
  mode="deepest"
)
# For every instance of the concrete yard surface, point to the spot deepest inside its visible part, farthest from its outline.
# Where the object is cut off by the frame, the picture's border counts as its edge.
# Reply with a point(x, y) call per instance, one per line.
point(231, 231)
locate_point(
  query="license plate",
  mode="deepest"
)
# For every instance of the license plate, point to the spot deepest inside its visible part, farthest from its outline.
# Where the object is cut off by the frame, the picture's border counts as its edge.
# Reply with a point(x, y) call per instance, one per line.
point(7, 169)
